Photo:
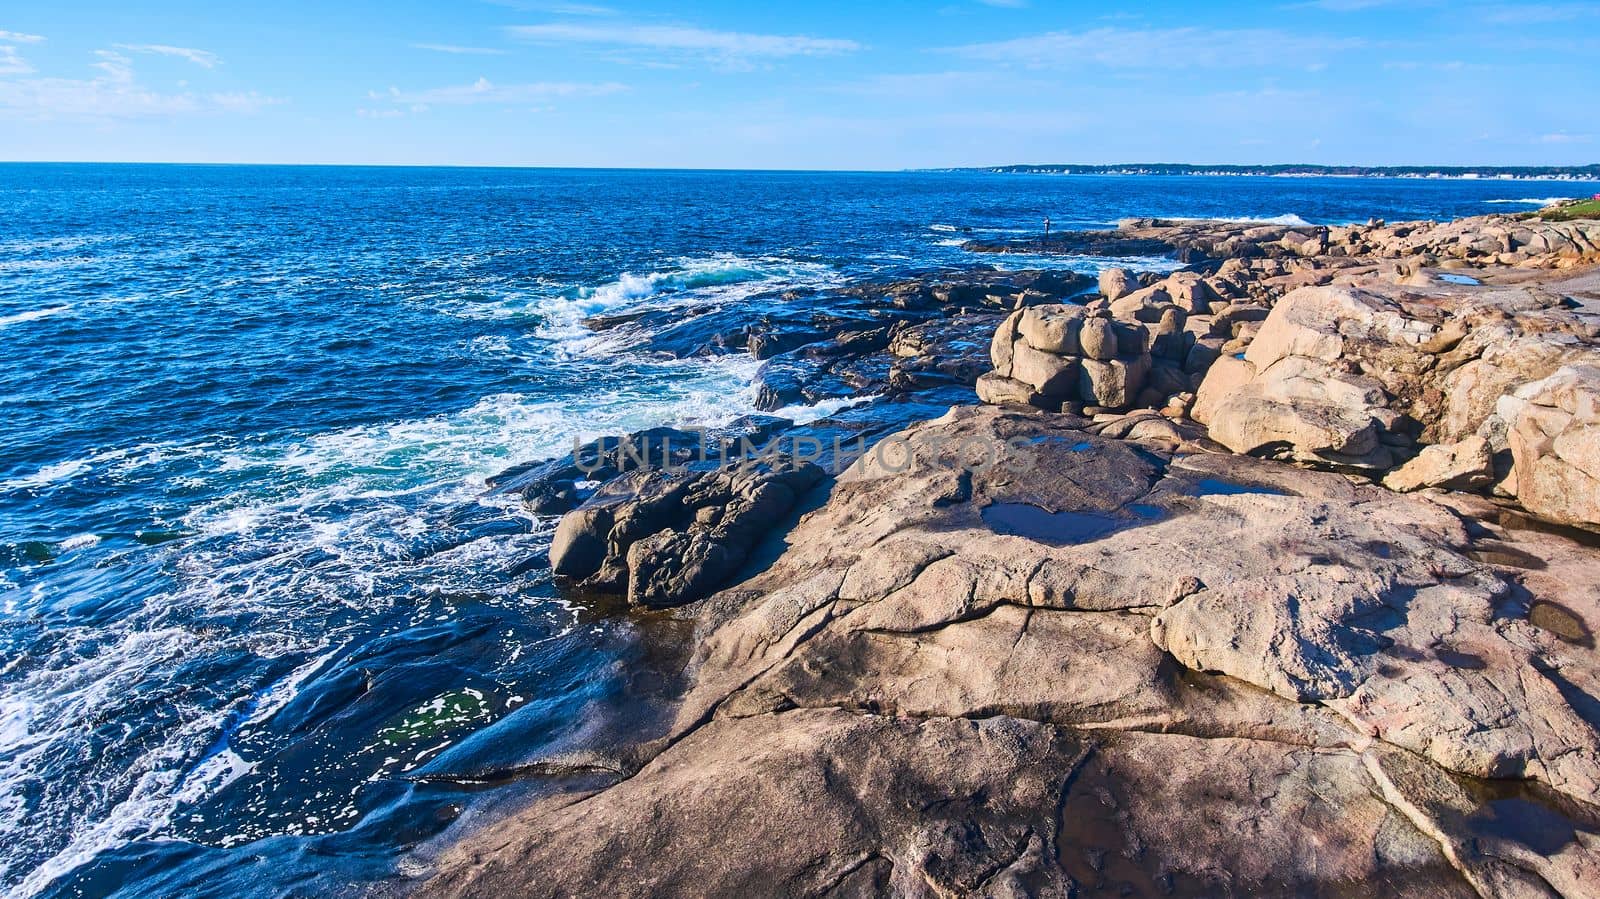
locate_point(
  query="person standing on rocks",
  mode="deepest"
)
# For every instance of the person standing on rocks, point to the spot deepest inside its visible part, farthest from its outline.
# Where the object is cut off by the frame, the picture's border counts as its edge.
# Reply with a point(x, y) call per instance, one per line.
point(1047, 227)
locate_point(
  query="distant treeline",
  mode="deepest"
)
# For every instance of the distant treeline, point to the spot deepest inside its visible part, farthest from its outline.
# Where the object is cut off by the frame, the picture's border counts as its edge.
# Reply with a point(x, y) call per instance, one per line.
point(1570, 172)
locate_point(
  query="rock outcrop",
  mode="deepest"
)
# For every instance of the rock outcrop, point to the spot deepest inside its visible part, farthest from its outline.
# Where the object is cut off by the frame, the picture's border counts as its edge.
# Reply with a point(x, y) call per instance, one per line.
point(1089, 667)
point(1098, 637)
point(1426, 382)
point(666, 537)
point(1525, 242)
point(1062, 354)
point(1553, 427)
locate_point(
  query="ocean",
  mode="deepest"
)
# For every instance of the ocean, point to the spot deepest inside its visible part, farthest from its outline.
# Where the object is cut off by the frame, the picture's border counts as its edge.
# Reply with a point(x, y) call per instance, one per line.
point(262, 629)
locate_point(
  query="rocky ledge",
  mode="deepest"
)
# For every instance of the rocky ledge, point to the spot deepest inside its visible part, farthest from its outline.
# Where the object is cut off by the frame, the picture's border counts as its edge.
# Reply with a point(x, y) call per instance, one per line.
point(1242, 586)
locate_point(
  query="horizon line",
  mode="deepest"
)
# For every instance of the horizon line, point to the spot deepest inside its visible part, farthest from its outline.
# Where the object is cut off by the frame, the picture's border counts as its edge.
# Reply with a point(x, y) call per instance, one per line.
point(987, 168)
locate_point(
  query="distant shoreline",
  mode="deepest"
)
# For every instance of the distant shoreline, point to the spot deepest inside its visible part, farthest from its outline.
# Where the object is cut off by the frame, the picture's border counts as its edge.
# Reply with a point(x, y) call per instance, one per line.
point(1438, 173)
point(1577, 174)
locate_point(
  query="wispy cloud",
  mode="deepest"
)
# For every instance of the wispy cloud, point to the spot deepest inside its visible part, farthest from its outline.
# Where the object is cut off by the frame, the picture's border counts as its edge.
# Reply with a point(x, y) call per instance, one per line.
point(460, 50)
point(1562, 137)
point(483, 91)
point(114, 93)
point(722, 45)
point(11, 62)
point(1170, 48)
point(1539, 13)
point(202, 58)
point(557, 9)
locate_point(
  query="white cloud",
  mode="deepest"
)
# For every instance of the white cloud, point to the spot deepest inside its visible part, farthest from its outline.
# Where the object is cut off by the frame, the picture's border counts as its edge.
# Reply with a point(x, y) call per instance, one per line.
point(460, 50)
point(1171, 48)
point(684, 39)
point(483, 91)
point(11, 63)
point(1539, 13)
point(1562, 137)
point(112, 94)
point(201, 58)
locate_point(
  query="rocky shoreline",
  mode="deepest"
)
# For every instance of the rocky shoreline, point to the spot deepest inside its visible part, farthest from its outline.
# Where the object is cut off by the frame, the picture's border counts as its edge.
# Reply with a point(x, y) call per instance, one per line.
point(1277, 574)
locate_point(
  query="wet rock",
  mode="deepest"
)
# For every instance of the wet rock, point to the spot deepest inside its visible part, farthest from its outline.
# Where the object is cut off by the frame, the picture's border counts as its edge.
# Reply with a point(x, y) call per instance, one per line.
point(668, 537)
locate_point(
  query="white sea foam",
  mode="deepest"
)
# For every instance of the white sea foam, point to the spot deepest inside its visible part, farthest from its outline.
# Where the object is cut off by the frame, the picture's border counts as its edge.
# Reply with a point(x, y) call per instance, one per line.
point(1089, 265)
point(359, 496)
point(943, 228)
point(80, 541)
point(1289, 219)
point(32, 315)
point(48, 475)
point(801, 413)
point(1532, 201)
point(121, 460)
point(687, 281)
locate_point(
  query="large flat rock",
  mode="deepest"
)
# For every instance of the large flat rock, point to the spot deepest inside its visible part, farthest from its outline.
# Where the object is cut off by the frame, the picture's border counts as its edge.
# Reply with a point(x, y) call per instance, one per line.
point(1088, 667)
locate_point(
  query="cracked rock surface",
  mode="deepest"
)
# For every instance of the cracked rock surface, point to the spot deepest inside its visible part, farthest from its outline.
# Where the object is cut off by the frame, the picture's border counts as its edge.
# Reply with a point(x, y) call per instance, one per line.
point(1099, 668)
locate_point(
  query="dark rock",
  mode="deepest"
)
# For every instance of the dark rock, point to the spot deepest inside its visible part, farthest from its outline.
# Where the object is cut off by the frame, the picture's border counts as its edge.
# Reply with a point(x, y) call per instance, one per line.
point(669, 537)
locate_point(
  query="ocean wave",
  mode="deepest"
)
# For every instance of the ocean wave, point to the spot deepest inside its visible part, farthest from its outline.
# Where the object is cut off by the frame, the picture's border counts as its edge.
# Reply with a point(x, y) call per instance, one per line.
point(1532, 201)
point(695, 282)
point(32, 315)
point(308, 540)
point(801, 413)
point(1088, 265)
point(945, 229)
point(57, 244)
point(1289, 219)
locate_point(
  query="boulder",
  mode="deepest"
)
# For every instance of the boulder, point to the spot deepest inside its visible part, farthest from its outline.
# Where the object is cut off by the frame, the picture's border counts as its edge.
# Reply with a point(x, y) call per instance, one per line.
point(1468, 465)
point(1052, 329)
point(1098, 339)
point(1067, 354)
point(1300, 409)
point(999, 390)
point(1117, 282)
point(1114, 383)
point(1554, 435)
point(1047, 373)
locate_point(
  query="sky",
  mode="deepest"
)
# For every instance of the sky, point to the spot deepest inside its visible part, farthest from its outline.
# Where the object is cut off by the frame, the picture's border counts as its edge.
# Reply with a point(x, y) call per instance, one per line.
point(814, 85)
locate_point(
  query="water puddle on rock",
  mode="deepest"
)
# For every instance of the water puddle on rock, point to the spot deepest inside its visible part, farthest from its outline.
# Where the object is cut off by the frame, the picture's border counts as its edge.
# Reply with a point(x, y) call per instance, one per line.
point(1062, 528)
point(1219, 487)
point(1461, 279)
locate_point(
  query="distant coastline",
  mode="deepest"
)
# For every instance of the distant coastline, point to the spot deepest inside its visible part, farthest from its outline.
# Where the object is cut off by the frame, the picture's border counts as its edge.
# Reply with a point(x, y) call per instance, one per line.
point(1488, 172)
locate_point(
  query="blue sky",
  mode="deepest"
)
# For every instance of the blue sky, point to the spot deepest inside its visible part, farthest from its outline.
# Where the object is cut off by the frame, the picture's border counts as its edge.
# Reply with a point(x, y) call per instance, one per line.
point(880, 85)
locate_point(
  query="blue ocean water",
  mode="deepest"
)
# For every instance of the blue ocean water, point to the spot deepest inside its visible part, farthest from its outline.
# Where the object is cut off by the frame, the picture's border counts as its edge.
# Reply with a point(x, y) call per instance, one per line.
point(261, 628)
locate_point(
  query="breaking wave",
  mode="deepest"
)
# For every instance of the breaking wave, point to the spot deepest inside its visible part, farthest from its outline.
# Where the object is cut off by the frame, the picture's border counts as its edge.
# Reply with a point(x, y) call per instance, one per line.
point(1532, 201)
